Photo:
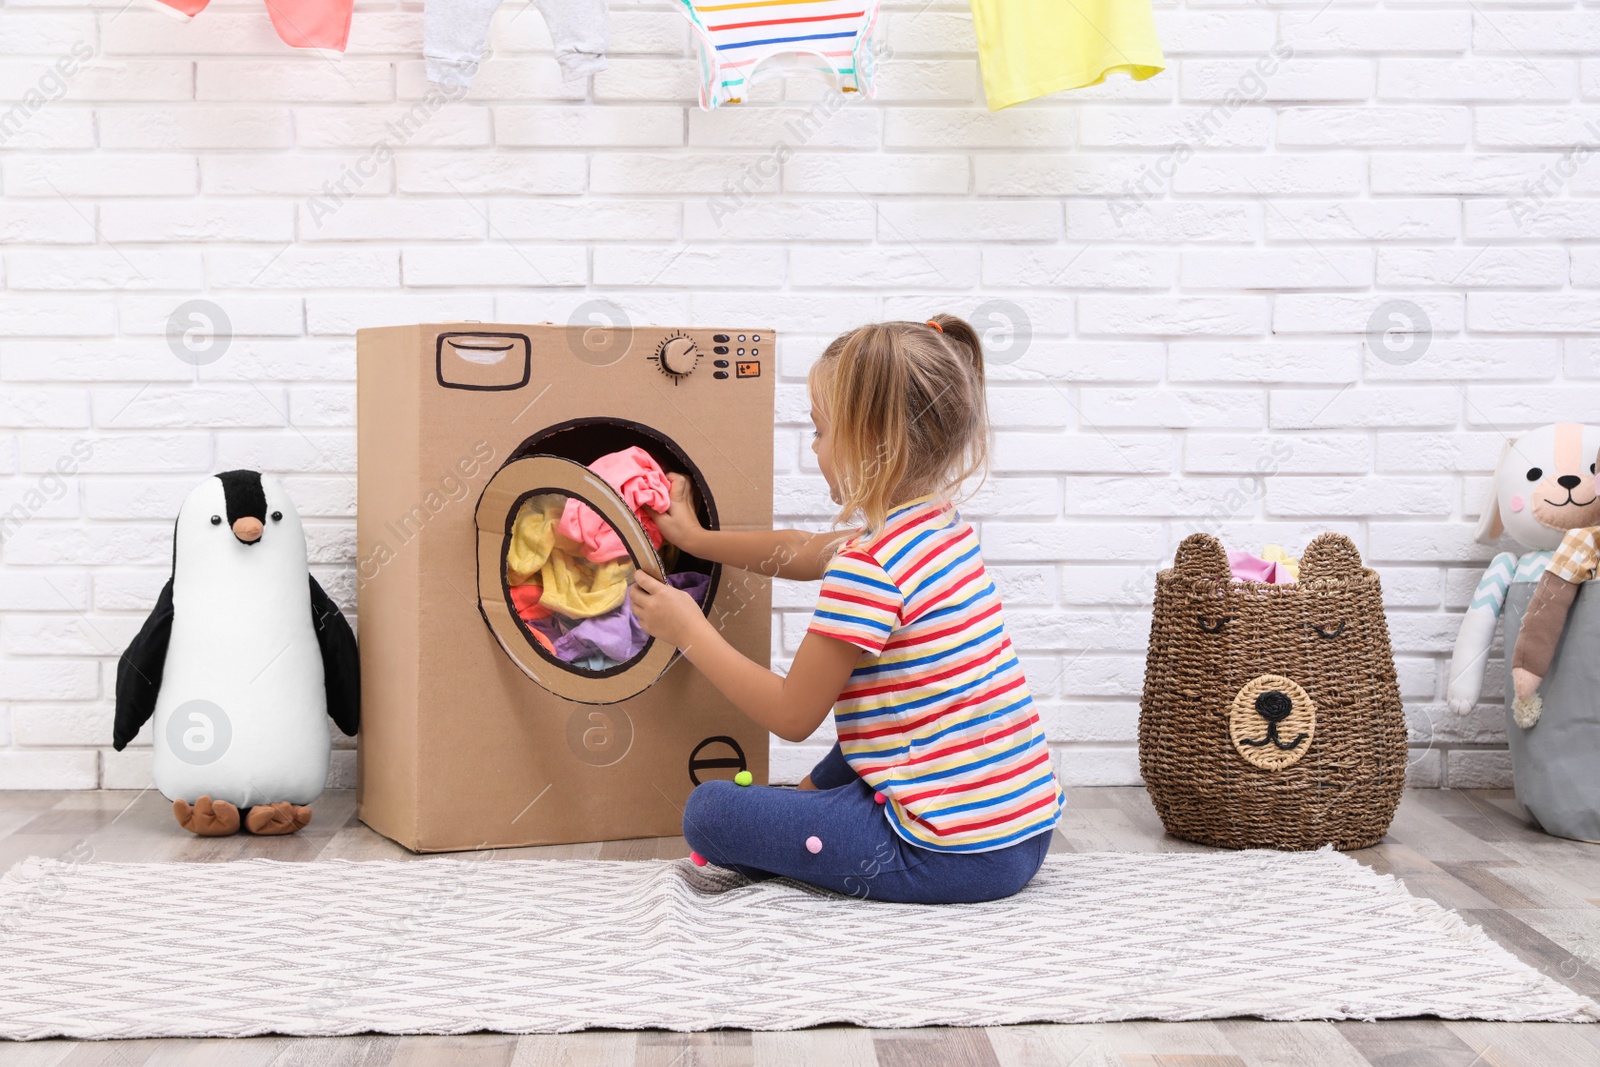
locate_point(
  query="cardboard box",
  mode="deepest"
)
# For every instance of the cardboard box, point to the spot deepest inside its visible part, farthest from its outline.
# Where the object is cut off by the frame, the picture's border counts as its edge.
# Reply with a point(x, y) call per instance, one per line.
point(472, 736)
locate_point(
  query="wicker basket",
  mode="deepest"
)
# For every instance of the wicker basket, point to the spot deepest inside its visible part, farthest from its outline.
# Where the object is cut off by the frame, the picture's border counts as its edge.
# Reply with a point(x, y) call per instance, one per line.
point(1270, 716)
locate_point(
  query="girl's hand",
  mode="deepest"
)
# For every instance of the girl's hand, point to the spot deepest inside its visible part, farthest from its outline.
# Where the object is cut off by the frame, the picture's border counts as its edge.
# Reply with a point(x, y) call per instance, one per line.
point(679, 523)
point(664, 611)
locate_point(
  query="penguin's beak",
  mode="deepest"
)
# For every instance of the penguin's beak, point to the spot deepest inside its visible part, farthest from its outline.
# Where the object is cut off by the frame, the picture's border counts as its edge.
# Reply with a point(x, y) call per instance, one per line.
point(247, 529)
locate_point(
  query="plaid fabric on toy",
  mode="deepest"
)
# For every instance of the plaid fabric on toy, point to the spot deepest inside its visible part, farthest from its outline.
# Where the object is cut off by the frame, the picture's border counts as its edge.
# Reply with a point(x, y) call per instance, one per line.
point(1578, 557)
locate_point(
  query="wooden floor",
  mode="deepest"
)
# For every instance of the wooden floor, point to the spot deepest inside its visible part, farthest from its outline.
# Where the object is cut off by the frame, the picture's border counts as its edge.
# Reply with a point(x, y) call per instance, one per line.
point(1473, 851)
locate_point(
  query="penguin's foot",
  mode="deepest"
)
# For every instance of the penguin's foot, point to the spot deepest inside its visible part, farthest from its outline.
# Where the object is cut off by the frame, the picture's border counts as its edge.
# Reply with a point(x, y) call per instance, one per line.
point(208, 818)
point(279, 818)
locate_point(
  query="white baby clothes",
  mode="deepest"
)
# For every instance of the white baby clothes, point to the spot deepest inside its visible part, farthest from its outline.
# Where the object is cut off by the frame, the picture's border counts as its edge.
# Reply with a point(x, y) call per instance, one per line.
point(735, 38)
point(454, 33)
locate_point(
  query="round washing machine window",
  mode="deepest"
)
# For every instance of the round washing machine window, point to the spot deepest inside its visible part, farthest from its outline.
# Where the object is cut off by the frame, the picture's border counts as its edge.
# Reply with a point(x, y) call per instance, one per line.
point(557, 551)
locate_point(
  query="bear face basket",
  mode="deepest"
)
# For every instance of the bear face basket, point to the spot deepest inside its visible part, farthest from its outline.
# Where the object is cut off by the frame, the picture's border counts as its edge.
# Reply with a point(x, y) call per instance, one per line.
point(1271, 717)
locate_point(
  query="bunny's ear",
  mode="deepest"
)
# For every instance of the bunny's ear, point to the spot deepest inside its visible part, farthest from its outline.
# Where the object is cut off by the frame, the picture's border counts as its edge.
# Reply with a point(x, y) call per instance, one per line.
point(1202, 556)
point(1490, 525)
point(1330, 555)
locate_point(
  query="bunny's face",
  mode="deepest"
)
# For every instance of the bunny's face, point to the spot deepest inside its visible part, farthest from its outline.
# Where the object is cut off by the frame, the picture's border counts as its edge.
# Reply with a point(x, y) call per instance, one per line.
point(1544, 486)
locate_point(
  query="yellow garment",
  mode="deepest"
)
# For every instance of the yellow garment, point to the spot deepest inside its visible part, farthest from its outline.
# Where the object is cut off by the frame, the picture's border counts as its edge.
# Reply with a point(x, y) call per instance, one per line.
point(578, 589)
point(533, 534)
point(573, 586)
point(1276, 554)
point(1030, 48)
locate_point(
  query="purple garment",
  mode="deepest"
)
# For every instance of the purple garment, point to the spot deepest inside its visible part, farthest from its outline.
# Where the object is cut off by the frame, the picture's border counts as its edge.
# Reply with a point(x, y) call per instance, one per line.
point(692, 582)
point(552, 626)
point(616, 634)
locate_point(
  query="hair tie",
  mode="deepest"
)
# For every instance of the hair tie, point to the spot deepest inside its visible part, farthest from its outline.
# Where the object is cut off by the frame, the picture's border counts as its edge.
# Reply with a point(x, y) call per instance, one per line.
point(936, 326)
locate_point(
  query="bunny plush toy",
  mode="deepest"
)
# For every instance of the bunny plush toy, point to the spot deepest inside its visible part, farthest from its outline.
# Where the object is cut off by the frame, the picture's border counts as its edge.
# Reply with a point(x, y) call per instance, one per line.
point(1544, 487)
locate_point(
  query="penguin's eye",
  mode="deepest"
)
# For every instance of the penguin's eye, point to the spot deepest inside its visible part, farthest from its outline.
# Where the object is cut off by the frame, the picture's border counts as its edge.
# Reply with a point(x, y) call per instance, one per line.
point(277, 516)
point(216, 520)
point(1534, 474)
point(1591, 468)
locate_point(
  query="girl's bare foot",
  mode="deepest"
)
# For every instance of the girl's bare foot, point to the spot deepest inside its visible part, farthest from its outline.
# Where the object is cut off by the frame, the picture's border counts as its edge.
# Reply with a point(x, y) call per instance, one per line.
point(805, 783)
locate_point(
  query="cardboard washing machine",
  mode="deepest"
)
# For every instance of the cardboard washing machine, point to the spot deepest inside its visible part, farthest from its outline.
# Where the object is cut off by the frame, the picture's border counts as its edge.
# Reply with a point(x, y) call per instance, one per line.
point(472, 734)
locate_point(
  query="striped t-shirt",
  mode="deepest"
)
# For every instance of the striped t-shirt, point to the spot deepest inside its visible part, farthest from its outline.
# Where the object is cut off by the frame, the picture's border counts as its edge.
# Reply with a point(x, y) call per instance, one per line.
point(936, 715)
point(831, 36)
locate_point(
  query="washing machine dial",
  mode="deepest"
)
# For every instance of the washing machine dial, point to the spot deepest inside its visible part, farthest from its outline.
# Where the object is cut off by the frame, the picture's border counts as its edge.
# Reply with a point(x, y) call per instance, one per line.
point(677, 356)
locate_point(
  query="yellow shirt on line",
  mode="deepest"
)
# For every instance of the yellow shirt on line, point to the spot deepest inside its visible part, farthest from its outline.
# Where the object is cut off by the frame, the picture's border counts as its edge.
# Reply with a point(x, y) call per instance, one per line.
point(1032, 48)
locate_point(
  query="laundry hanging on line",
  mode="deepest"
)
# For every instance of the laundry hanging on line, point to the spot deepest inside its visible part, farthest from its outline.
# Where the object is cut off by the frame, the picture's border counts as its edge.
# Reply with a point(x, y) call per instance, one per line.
point(1033, 48)
point(1026, 48)
point(315, 25)
point(455, 33)
point(736, 38)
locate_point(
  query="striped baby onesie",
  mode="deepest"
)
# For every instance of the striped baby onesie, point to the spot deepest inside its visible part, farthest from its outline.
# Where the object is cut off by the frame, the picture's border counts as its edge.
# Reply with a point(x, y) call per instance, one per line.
point(936, 715)
point(736, 37)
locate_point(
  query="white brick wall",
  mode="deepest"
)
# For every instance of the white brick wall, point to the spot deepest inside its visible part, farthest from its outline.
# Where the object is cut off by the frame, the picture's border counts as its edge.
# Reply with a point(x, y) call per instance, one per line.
point(1199, 257)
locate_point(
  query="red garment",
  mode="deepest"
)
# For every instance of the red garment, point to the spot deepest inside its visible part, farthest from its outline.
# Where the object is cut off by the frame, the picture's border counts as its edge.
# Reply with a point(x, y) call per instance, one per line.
point(641, 483)
point(525, 598)
point(317, 24)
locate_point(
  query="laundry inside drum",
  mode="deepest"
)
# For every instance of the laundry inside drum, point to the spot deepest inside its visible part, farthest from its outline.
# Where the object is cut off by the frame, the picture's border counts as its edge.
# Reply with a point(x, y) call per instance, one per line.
point(568, 571)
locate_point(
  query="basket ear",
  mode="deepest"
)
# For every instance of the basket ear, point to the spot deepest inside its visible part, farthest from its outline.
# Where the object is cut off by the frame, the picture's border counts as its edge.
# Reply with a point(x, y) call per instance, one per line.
point(1201, 556)
point(1330, 555)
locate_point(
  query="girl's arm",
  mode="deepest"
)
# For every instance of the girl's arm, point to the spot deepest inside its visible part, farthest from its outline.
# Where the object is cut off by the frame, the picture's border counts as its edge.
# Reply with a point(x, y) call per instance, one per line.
point(793, 554)
point(791, 706)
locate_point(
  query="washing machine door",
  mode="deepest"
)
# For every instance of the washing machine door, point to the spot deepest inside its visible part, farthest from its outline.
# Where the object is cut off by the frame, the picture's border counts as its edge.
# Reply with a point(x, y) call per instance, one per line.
point(536, 489)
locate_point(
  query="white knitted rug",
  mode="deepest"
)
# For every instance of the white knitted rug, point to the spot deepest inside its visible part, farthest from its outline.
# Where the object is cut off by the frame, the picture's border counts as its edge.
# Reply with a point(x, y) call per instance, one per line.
point(448, 946)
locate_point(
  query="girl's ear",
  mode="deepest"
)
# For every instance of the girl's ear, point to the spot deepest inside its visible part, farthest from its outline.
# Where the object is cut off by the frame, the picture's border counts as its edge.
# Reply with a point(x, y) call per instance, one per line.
point(1201, 556)
point(1490, 525)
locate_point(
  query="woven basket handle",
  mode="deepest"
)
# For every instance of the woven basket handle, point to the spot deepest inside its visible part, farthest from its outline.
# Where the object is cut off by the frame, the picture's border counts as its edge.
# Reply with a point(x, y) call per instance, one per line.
point(1201, 556)
point(1330, 555)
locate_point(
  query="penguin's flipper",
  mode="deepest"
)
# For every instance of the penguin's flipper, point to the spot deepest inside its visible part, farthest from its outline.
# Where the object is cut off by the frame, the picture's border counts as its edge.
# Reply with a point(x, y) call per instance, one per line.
point(139, 671)
point(341, 666)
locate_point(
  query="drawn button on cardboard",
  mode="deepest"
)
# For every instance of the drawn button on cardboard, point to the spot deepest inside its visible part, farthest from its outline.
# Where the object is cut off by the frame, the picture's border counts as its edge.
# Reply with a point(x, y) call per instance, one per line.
point(710, 754)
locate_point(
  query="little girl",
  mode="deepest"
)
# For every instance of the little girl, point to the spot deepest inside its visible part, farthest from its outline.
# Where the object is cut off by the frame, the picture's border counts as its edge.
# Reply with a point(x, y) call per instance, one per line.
point(940, 789)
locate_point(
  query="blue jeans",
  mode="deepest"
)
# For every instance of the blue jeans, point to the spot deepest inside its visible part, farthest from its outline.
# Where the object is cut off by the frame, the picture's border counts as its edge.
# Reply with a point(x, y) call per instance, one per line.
point(761, 832)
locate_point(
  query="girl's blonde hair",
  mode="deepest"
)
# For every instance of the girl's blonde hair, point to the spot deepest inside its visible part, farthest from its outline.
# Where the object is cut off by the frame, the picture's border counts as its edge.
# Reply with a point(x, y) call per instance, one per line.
point(906, 413)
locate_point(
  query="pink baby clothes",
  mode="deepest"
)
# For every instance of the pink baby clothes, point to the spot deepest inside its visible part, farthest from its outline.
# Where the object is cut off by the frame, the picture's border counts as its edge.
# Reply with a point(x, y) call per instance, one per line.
point(1248, 567)
point(641, 483)
point(318, 24)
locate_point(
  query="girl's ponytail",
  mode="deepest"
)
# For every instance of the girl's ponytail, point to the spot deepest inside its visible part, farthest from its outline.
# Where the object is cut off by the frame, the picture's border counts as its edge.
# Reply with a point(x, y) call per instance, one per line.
point(961, 332)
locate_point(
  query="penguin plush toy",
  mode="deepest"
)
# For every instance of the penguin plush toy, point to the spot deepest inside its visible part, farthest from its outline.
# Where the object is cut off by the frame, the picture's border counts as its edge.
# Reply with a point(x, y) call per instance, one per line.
point(239, 664)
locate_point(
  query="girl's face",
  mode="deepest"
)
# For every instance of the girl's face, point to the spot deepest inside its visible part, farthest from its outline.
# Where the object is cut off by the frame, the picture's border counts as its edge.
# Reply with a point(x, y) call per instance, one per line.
point(823, 447)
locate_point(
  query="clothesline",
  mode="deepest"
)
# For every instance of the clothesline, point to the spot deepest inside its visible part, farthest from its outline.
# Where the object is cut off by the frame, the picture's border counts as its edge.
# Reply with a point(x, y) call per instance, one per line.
point(1026, 48)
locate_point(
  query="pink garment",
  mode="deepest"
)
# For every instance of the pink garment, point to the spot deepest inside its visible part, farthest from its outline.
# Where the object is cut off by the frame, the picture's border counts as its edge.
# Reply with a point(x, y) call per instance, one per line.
point(322, 24)
point(641, 483)
point(1247, 567)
